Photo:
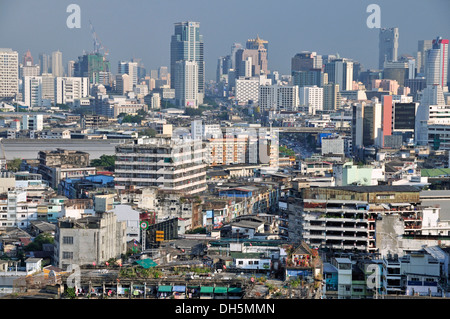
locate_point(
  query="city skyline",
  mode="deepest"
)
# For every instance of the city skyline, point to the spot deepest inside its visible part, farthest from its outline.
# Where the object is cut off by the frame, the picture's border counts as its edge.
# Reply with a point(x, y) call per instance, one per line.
point(151, 23)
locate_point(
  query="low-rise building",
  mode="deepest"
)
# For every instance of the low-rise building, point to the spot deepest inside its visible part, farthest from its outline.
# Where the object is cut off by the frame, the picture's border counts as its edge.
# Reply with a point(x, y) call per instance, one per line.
point(89, 240)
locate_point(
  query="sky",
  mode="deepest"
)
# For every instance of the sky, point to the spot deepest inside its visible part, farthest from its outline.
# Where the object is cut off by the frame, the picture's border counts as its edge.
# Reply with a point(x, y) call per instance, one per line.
point(142, 28)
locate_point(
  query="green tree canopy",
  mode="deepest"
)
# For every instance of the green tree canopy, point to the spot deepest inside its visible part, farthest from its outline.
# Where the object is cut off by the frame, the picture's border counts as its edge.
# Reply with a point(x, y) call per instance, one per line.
point(147, 132)
point(105, 161)
point(14, 165)
point(36, 245)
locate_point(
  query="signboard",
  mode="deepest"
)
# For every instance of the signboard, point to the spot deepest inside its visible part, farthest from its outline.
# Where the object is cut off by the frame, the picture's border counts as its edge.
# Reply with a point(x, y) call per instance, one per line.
point(159, 235)
point(144, 225)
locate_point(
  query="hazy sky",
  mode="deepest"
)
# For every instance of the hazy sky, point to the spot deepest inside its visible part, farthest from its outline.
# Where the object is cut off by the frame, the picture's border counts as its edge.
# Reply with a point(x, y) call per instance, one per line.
point(142, 28)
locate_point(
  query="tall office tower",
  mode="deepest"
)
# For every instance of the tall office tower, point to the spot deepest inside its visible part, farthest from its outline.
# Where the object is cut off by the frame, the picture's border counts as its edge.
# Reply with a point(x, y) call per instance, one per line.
point(219, 70)
point(163, 73)
point(223, 67)
point(32, 91)
point(437, 63)
point(186, 83)
point(133, 69)
point(234, 48)
point(422, 48)
point(340, 71)
point(187, 45)
point(278, 97)
point(388, 46)
point(57, 65)
point(368, 124)
point(48, 88)
point(130, 68)
point(141, 72)
point(305, 61)
point(122, 83)
point(70, 68)
point(398, 71)
point(254, 44)
point(310, 77)
point(259, 63)
point(27, 59)
point(92, 65)
point(9, 73)
point(311, 98)
point(331, 97)
point(44, 63)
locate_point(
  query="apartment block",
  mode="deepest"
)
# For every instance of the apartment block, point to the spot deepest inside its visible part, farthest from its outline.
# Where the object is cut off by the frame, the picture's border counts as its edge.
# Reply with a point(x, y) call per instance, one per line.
point(162, 162)
point(348, 218)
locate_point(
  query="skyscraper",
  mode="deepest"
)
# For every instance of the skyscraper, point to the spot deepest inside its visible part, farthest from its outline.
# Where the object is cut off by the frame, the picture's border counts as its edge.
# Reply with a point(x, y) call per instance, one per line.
point(437, 63)
point(388, 46)
point(254, 44)
point(130, 68)
point(57, 65)
point(187, 45)
point(9, 73)
point(305, 61)
point(422, 48)
point(340, 71)
point(186, 85)
point(27, 59)
point(44, 63)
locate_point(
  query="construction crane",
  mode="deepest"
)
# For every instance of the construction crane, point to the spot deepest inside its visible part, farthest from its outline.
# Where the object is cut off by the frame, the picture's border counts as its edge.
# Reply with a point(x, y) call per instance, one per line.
point(97, 43)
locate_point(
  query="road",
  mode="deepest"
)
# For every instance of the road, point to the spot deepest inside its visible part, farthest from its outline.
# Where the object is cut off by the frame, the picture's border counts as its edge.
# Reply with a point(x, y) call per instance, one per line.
point(28, 149)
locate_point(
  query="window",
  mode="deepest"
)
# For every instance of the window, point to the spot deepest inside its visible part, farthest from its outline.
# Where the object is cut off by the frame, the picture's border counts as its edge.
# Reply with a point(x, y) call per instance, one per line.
point(68, 240)
point(240, 262)
point(67, 255)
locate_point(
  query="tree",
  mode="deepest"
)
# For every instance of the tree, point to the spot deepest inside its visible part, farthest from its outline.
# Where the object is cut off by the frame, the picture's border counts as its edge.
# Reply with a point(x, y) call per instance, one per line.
point(40, 239)
point(106, 161)
point(147, 132)
point(192, 112)
point(14, 165)
point(132, 119)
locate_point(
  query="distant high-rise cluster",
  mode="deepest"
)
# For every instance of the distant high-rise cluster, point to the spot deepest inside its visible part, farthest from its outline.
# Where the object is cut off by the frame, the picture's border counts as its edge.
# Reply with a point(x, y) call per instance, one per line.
point(186, 57)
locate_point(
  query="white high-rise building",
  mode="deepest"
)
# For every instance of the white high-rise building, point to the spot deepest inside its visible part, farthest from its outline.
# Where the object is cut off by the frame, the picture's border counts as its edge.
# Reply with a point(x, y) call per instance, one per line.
point(432, 97)
point(130, 68)
point(247, 89)
point(69, 89)
point(311, 97)
point(57, 65)
point(70, 68)
point(48, 89)
point(437, 64)
point(9, 73)
point(32, 91)
point(278, 97)
point(186, 84)
point(29, 70)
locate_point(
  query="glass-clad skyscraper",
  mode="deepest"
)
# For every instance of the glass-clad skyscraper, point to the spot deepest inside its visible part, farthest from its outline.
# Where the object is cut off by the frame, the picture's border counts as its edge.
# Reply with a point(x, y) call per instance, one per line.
point(187, 45)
